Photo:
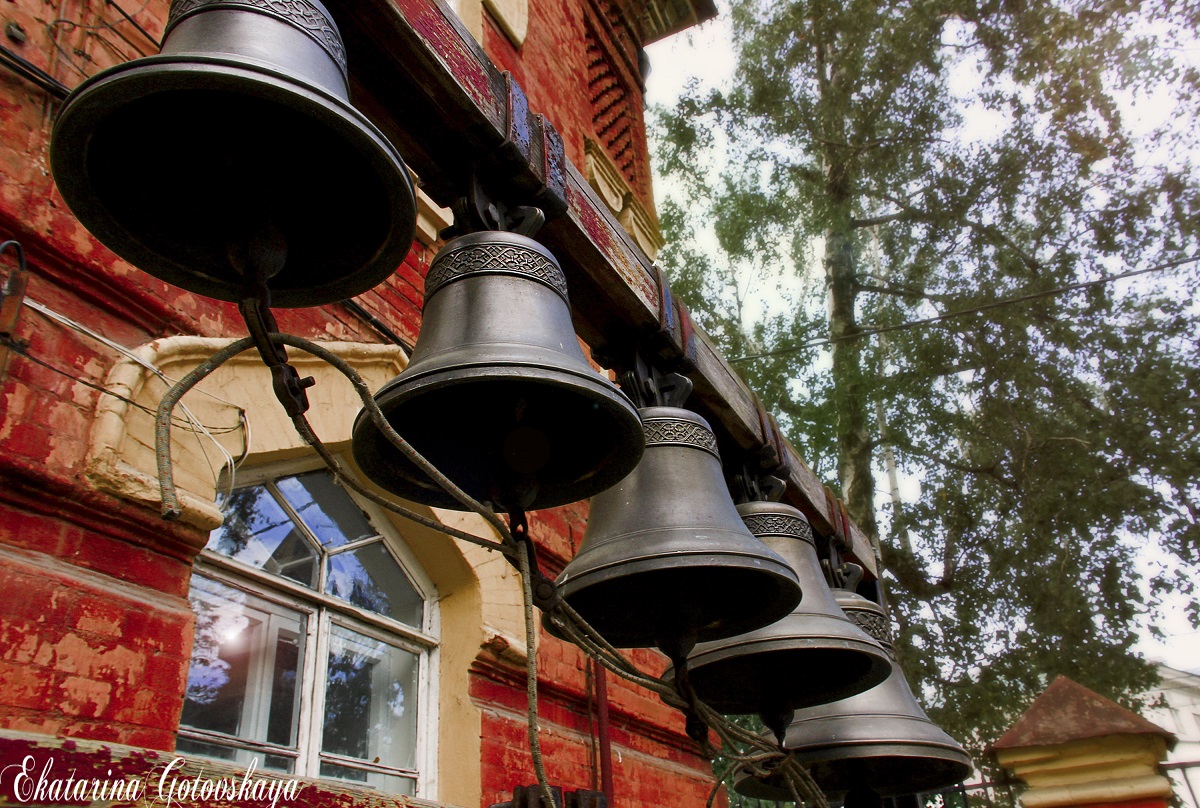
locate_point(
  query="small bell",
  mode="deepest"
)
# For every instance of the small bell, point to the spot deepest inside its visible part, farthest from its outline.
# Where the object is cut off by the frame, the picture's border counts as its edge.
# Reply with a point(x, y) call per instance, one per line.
point(812, 656)
point(879, 742)
point(498, 394)
point(237, 139)
point(665, 559)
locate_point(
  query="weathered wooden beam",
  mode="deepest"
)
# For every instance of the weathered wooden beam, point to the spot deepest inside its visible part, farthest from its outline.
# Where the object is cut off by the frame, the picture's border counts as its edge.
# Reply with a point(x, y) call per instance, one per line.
point(425, 81)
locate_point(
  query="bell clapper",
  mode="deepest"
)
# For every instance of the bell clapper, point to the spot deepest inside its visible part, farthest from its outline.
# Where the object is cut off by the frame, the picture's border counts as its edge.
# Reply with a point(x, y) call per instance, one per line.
point(777, 718)
point(258, 255)
point(544, 590)
point(861, 795)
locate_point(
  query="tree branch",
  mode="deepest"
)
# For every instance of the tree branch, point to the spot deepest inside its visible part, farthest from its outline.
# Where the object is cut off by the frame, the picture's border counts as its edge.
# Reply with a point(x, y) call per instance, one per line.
point(886, 218)
point(991, 470)
point(895, 291)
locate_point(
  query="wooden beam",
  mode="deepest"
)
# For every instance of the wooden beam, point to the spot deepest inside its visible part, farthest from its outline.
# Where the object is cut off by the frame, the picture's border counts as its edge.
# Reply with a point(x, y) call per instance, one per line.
point(424, 80)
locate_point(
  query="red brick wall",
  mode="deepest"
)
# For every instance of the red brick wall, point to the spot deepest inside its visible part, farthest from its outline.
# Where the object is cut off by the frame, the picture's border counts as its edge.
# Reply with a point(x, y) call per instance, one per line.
point(95, 628)
point(563, 81)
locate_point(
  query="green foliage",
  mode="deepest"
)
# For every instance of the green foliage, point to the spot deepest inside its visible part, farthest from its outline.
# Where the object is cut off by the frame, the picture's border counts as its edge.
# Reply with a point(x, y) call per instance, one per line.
point(882, 162)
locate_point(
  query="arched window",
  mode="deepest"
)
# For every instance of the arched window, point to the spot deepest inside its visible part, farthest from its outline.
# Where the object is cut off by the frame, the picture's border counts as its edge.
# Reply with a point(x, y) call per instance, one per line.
point(315, 637)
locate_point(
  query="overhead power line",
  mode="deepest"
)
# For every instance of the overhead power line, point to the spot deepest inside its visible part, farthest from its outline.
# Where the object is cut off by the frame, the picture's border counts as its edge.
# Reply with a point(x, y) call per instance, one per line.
point(995, 304)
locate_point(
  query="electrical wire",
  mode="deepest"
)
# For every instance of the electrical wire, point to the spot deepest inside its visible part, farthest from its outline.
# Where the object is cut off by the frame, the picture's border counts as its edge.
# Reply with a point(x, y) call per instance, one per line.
point(130, 19)
point(197, 427)
point(93, 31)
point(995, 304)
point(33, 74)
point(180, 423)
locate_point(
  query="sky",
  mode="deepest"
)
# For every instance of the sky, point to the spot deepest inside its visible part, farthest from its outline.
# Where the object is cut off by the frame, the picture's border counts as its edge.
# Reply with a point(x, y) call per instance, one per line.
point(706, 53)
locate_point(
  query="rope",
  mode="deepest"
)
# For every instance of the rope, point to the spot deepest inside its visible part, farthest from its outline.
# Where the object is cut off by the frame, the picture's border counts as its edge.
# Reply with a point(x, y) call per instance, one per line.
point(162, 435)
point(531, 692)
point(735, 740)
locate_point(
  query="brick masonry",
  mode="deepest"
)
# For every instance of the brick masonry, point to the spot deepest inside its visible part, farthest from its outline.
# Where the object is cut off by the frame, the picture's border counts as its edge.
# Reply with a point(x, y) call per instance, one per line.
point(95, 628)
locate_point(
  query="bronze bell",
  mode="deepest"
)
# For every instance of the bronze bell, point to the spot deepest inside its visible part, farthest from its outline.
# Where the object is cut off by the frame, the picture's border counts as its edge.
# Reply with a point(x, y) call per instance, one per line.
point(879, 740)
point(665, 560)
point(237, 139)
point(498, 394)
point(812, 656)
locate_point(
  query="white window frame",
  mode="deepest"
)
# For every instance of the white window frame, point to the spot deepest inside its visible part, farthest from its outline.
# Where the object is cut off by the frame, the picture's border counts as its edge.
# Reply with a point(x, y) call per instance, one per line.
point(322, 611)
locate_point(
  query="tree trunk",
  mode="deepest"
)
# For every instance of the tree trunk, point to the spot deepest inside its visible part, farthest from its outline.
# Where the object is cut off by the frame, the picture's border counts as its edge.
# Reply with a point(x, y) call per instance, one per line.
point(853, 432)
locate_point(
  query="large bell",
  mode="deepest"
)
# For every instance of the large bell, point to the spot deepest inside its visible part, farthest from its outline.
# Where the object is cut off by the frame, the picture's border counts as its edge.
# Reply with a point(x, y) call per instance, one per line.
point(812, 656)
point(665, 560)
point(498, 394)
point(238, 138)
point(879, 741)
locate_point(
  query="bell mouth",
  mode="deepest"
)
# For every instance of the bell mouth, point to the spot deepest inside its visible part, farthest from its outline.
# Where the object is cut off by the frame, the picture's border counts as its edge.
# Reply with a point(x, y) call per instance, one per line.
point(889, 770)
point(661, 600)
point(522, 437)
point(169, 159)
point(785, 672)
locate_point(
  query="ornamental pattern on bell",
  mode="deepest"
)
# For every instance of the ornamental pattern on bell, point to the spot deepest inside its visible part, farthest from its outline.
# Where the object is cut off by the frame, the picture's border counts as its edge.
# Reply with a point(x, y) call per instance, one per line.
point(505, 258)
point(871, 622)
point(306, 16)
point(774, 524)
point(662, 430)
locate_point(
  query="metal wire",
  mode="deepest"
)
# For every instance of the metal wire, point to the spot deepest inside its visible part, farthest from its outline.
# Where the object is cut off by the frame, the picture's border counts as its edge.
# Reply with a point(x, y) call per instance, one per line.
point(170, 498)
point(737, 743)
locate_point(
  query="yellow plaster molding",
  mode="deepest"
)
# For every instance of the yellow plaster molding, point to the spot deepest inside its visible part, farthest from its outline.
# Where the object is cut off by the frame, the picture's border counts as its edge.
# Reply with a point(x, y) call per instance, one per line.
point(121, 457)
point(605, 178)
point(1125, 790)
point(512, 16)
point(432, 218)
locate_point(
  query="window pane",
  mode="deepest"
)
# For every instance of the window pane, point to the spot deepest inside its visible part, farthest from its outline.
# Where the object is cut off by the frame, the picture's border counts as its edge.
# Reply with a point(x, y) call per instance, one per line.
point(245, 660)
point(370, 700)
point(275, 763)
point(369, 577)
point(257, 531)
point(329, 512)
point(388, 783)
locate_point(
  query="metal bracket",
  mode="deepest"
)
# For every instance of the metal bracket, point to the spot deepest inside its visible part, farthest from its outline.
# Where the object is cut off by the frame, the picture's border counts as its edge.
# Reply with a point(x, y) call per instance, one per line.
point(648, 386)
point(285, 380)
point(544, 590)
point(751, 484)
point(11, 299)
point(495, 199)
point(479, 211)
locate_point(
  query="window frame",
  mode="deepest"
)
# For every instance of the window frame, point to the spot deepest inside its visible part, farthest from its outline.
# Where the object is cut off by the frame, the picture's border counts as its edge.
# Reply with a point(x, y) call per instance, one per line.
point(322, 611)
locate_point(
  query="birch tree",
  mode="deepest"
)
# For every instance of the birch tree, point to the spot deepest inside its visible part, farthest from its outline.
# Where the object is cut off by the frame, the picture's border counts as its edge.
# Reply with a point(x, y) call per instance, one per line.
point(898, 223)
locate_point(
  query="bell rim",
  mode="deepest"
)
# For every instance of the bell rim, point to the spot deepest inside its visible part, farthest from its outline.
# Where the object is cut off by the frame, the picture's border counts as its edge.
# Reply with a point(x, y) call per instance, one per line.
point(655, 561)
point(594, 579)
point(190, 71)
point(958, 765)
point(423, 377)
point(618, 405)
point(708, 677)
point(713, 657)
